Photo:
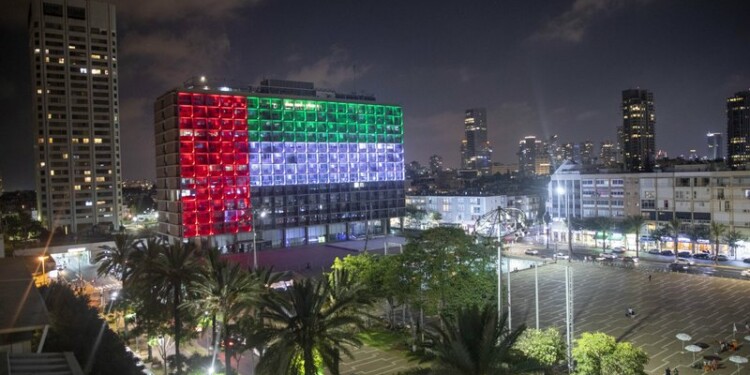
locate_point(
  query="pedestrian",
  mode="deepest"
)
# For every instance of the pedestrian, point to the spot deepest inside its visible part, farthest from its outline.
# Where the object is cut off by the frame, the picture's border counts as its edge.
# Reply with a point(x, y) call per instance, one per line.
point(747, 326)
point(676, 371)
point(649, 277)
point(667, 371)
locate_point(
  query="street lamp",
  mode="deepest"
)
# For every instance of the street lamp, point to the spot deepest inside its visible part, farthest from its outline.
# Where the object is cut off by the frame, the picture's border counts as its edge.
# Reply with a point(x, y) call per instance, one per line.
point(560, 193)
point(43, 259)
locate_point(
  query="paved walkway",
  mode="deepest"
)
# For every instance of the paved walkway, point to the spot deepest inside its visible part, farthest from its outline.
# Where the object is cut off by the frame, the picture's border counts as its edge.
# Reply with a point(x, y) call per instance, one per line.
point(371, 361)
point(671, 303)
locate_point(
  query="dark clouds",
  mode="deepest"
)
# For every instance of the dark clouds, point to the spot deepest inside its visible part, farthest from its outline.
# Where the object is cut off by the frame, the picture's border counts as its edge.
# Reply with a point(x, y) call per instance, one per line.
point(539, 67)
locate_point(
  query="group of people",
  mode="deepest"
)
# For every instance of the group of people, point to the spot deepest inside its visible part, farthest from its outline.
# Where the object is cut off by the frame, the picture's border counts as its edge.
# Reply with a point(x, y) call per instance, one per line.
point(732, 345)
point(667, 371)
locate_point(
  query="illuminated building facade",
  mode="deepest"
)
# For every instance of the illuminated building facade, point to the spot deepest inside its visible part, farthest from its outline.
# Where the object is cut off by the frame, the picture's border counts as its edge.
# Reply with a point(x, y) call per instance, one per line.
point(738, 130)
point(638, 121)
point(295, 168)
point(73, 55)
point(715, 144)
point(476, 153)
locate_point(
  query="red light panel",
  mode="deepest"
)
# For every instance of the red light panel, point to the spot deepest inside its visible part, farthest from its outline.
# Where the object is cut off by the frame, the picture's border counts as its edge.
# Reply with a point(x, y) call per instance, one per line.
point(214, 164)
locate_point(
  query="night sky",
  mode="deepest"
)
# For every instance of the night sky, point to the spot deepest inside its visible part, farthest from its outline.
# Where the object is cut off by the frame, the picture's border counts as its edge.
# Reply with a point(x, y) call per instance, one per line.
point(540, 67)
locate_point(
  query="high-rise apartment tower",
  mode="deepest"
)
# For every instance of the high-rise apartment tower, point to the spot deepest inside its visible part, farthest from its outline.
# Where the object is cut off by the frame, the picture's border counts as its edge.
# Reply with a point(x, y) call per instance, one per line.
point(715, 144)
point(638, 120)
point(738, 129)
point(476, 153)
point(75, 115)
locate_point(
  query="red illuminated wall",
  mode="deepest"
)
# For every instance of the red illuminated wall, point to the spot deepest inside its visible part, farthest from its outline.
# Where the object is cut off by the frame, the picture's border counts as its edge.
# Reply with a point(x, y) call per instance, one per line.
point(215, 184)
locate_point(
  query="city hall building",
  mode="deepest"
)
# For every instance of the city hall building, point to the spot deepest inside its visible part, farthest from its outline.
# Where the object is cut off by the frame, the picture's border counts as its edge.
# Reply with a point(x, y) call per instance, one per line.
point(280, 164)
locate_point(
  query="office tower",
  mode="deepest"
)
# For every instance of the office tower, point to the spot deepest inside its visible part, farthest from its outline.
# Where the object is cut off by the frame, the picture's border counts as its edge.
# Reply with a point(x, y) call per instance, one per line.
point(638, 130)
point(476, 152)
point(608, 154)
point(75, 113)
point(715, 146)
point(532, 157)
point(586, 153)
point(436, 164)
point(272, 164)
point(738, 129)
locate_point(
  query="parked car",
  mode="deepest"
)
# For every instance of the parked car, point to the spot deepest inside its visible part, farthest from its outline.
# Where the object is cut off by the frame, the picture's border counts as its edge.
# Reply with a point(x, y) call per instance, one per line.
point(609, 256)
point(630, 259)
point(654, 251)
point(667, 253)
point(746, 260)
point(531, 252)
point(563, 256)
point(721, 258)
point(745, 274)
point(618, 249)
point(684, 254)
point(702, 256)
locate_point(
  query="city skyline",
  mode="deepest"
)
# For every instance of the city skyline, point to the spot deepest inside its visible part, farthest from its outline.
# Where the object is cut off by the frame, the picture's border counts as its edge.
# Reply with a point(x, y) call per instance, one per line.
point(546, 68)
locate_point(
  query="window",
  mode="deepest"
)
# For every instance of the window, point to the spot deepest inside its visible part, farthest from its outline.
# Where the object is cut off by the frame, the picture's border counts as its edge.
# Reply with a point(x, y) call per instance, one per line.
point(55, 10)
point(77, 13)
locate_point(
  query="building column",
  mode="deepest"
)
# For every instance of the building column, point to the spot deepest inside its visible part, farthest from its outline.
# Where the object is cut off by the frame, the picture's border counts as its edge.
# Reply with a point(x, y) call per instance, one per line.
point(307, 235)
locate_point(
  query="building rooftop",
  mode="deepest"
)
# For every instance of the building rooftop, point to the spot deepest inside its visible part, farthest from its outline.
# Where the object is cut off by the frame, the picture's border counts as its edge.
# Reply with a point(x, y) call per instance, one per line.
point(22, 308)
point(271, 86)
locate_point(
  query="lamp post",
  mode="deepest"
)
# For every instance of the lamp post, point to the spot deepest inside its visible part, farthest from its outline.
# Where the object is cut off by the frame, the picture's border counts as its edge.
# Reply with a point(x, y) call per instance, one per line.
point(43, 259)
point(560, 192)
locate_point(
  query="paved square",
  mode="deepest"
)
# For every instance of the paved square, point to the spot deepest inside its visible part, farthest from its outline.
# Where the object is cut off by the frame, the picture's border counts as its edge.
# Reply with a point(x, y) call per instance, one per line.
point(701, 306)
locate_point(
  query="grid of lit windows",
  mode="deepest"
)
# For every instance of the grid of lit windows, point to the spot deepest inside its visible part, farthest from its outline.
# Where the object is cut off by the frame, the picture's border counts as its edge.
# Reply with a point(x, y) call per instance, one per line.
point(228, 143)
point(214, 191)
point(310, 142)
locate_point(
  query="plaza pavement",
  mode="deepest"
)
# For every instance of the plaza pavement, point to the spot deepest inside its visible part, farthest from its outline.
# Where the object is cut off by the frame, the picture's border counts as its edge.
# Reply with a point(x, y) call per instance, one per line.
point(703, 307)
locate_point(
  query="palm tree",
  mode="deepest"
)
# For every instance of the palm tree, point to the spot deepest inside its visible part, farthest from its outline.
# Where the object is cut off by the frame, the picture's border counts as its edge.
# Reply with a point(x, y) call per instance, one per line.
point(476, 342)
point(673, 227)
point(307, 329)
point(172, 271)
point(117, 261)
point(733, 238)
point(717, 230)
point(226, 290)
point(633, 224)
point(145, 295)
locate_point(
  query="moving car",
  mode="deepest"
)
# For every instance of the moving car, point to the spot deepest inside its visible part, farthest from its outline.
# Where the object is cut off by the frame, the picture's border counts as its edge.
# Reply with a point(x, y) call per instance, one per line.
point(746, 260)
point(685, 261)
point(667, 253)
point(654, 251)
point(531, 252)
point(630, 259)
point(618, 249)
point(563, 256)
point(678, 267)
point(721, 258)
point(701, 256)
point(684, 254)
point(609, 256)
point(745, 274)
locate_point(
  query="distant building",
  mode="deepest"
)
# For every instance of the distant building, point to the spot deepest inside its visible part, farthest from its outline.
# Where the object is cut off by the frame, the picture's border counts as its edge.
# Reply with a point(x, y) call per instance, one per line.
point(75, 113)
point(608, 154)
point(531, 156)
point(465, 210)
point(476, 152)
point(500, 168)
point(638, 125)
point(738, 130)
point(436, 164)
point(715, 144)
